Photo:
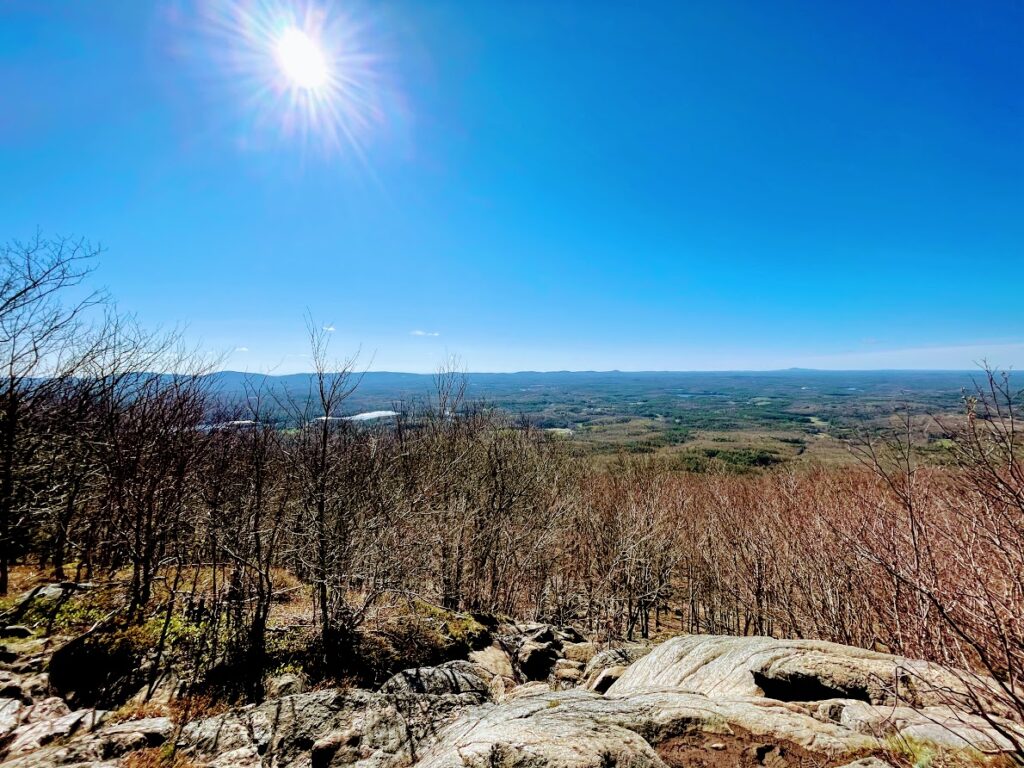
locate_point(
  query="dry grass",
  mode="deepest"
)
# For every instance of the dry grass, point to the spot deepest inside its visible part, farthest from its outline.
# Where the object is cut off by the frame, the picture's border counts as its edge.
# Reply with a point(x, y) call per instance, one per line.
point(157, 757)
point(22, 578)
point(288, 587)
point(26, 577)
point(916, 753)
point(139, 711)
point(196, 707)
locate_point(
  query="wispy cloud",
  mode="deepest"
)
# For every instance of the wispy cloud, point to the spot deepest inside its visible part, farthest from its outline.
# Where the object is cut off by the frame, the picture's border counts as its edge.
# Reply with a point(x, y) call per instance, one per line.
point(424, 333)
point(329, 328)
point(241, 349)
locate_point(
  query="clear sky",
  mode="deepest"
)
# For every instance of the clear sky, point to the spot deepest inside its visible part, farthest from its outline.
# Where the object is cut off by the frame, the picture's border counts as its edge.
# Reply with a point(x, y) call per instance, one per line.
point(536, 185)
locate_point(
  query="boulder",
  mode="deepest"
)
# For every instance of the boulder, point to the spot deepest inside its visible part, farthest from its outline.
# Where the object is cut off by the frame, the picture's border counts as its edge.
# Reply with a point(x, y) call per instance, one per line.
point(534, 648)
point(287, 684)
point(11, 687)
point(610, 658)
point(605, 678)
point(48, 709)
point(10, 715)
point(452, 716)
point(543, 634)
point(789, 670)
point(121, 738)
point(567, 673)
point(658, 721)
point(450, 677)
point(36, 685)
point(583, 652)
point(494, 661)
point(54, 591)
point(569, 635)
point(536, 660)
point(562, 664)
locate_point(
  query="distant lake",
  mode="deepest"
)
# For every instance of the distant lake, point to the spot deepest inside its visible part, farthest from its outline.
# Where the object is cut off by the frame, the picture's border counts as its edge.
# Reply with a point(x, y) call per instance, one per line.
point(371, 415)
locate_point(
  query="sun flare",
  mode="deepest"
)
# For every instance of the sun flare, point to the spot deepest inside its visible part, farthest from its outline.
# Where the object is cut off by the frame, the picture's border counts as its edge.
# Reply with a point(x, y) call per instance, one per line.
point(305, 72)
point(301, 59)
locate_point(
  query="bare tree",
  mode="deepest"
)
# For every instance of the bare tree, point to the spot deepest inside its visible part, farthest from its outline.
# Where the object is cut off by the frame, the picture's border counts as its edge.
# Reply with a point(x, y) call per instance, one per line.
point(39, 317)
point(319, 458)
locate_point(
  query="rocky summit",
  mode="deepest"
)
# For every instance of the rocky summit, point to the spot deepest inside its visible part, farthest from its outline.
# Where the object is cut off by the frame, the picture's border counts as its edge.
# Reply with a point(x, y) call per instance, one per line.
point(545, 696)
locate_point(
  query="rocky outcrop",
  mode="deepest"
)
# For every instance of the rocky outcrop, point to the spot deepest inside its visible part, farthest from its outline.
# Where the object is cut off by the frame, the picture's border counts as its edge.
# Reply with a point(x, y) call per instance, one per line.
point(582, 728)
point(24, 688)
point(701, 701)
point(607, 666)
point(494, 661)
point(741, 701)
point(582, 652)
point(92, 743)
point(535, 648)
point(330, 728)
point(450, 677)
point(705, 701)
point(567, 673)
point(942, 726)
point(287, 684)
point(42, 728)
point(546, 729)
point(792, 670)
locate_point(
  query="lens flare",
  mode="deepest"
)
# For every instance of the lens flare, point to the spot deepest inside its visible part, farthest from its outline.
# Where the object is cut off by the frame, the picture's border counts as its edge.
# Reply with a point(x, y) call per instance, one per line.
point(303, 71)
point(301, 59)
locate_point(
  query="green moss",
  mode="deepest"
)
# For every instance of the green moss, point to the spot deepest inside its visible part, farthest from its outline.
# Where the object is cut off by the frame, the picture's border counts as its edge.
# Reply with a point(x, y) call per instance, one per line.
point(8, 603)
point(78, 613)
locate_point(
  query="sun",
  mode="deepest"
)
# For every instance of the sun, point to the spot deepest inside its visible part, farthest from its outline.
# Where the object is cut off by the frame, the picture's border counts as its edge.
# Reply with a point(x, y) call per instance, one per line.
point(305, 72)
point(302, 60)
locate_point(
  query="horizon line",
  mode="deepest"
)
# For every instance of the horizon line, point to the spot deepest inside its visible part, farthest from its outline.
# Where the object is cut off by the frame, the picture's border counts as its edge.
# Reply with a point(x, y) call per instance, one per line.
point(795, 369)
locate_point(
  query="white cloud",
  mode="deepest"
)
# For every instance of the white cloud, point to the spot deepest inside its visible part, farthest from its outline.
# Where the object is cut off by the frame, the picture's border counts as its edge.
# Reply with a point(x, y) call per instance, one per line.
point(424, 333)
point(329, 328)
point(241, 349)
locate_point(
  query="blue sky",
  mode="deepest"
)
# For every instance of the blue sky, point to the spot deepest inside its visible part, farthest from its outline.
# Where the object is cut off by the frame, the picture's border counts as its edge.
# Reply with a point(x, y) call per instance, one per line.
point(535, 185)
